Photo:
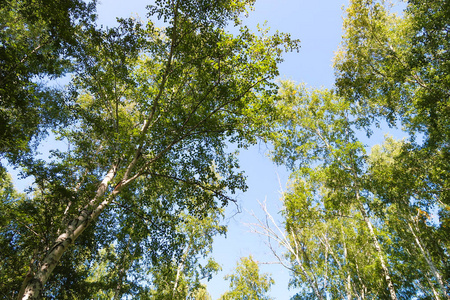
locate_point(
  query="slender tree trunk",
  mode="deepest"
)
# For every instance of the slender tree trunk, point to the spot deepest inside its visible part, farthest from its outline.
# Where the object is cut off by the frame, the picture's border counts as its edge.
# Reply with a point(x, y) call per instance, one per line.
point(348, 286)
point(117, 292)
point(431, 283)
point(429, 261)
point(123, 266)
point(363, 286)
point(73, 230)
point(179, 270)
point(312, 281)
point(325, 284)
point(387, 276)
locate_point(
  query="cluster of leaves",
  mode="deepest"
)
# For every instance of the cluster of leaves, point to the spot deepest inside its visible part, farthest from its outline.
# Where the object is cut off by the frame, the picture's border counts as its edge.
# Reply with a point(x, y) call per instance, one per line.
point(38, 41)
point(247, 283)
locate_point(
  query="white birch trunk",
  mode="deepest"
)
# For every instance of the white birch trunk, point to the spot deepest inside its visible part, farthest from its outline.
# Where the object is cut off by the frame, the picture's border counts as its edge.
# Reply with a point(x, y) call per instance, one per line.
point(180, 269)
point(73, 230)
point(312, 281)
point(348, 286)
point(387, 276)
point(430, 263)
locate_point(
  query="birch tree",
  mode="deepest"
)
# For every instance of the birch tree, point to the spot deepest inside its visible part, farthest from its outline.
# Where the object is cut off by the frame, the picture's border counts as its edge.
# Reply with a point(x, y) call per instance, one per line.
point(395, 67)
point(154, 111)
point(346, 210)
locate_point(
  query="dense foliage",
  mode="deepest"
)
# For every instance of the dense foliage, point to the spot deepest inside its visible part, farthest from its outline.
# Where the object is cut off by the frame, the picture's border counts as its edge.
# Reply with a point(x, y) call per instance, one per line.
point(129, 207)
point(135, 199)
point(371, 225)
point(38, 42)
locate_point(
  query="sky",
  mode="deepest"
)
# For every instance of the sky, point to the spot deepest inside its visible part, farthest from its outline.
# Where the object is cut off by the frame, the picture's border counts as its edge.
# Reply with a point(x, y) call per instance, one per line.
point(318, 25)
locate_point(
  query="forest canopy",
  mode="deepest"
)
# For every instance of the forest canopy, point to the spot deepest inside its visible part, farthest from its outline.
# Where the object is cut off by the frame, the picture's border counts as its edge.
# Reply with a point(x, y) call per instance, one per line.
point(130, 208)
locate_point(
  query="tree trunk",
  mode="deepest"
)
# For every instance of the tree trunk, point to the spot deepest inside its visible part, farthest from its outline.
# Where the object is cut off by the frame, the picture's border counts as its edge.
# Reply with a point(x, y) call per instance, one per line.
point(348, 286)
point(180, 270)
point(312, 281)
point(123, 266)
point(387, 276)
point(429, 261)
point(73, 230)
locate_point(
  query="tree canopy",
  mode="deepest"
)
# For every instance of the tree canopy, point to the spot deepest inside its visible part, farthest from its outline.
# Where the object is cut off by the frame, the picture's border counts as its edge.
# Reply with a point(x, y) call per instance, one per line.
point(129, 208)
point(38, 43)
point(148, 116)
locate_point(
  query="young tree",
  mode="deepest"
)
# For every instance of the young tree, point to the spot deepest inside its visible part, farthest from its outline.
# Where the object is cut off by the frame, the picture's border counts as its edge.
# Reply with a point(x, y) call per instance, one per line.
point(247, 283)
point(154, 111)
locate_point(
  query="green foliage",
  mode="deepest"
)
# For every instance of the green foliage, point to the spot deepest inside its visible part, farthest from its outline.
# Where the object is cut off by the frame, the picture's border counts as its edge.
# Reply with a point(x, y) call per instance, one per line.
point(391, 67)
point(38, 40)
point(354, 220)
point(201, 294)
point(247, 283)
point(397, 66)
point(10, 231)
point(180, 277)
point(148, 119)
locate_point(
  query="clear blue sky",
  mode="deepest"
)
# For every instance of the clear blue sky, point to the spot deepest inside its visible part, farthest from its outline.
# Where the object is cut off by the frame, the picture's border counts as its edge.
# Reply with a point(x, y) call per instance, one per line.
point(318, 25)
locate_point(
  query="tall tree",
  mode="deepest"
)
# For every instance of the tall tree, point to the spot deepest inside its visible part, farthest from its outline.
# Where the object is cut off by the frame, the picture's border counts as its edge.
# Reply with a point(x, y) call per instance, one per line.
point(336, 185)
point(315, 136)
point(154, 111)
point(396, 66)
point(400, 180)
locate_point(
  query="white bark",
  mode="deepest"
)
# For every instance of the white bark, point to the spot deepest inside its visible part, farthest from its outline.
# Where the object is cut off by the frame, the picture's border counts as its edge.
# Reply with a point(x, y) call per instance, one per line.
point(72, 232)
point(312, 281)
point(278, 234)
point(180, 269)
point(430, 263)
point(349, 282)
point(387, 276)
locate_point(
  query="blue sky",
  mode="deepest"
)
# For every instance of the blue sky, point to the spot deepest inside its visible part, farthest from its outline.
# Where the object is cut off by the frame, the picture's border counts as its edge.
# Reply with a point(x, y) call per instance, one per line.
point(318, 25)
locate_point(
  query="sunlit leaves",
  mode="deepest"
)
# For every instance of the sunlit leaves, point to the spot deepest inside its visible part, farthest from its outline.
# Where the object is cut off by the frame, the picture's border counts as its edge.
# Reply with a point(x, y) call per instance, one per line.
point(154, 109)
point(247, 282)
